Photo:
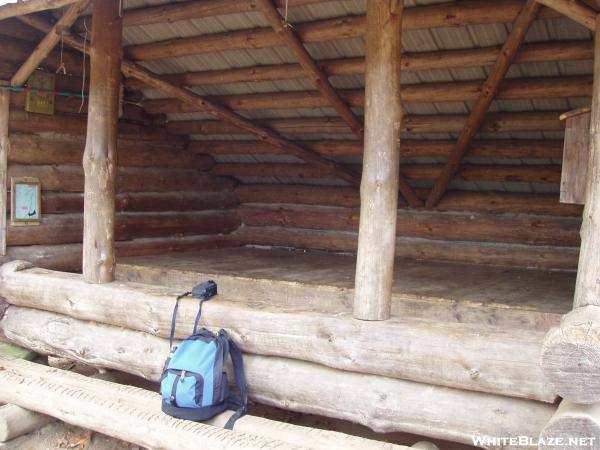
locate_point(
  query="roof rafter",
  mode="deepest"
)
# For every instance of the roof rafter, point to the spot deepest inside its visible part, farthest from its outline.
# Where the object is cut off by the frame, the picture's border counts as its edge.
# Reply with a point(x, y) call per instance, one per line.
point(575, 10)
point(226, 115)
point(48, 43)
point(320, 80)
point(489, 90)
point(31, 6)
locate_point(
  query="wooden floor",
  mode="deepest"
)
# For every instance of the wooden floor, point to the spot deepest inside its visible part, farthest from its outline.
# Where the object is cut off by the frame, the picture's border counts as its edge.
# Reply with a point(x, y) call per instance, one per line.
point(324, 282)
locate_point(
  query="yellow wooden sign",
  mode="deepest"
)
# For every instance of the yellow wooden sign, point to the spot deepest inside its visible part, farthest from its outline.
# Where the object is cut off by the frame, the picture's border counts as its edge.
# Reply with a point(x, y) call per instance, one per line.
point(38, 102)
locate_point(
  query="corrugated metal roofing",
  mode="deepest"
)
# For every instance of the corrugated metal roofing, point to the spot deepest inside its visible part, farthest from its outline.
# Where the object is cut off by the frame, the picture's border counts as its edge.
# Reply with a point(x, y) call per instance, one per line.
point(471, 36)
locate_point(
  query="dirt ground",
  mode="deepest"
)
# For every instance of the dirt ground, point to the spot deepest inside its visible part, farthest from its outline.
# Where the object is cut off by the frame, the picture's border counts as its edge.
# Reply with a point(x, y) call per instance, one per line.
point(59, 435)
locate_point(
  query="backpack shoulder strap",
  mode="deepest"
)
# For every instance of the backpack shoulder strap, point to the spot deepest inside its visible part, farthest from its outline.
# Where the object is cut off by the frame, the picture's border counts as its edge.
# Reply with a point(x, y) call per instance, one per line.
point(240, 403)
point(174, 318)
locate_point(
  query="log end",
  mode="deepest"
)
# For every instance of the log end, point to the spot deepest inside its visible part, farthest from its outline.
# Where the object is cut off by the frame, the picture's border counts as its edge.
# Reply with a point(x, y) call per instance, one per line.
point(424, 445)
point(572, 426)
point(15, 266)
point(570, 356)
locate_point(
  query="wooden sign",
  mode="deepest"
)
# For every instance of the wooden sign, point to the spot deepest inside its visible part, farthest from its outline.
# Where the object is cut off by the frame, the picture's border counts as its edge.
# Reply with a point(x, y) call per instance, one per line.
point(575, 156)
point(38, 102)
point(25, 197)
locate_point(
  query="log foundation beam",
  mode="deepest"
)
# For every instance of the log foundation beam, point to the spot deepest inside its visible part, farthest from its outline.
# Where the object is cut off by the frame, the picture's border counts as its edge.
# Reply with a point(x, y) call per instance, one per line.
point(100, 155)
point(577, 426)
point(571, 352)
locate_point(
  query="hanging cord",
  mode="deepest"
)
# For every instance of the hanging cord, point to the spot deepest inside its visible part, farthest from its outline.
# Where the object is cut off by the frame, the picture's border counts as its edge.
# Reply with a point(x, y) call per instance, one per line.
point(61, 68)
point(84, 71)
point(286, 23)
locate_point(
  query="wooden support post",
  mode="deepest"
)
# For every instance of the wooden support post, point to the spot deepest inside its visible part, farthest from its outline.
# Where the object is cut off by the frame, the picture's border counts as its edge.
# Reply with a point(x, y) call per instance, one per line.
point(100, 155)
point(571, 352)
point(4, 144)
point(381, 161)
point(488, 92)
point(320, 80)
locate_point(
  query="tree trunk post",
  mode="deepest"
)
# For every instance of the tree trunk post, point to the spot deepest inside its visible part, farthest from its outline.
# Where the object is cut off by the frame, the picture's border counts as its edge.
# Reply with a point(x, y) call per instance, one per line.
point(381, 162)
point(100, 156)
point(4, 144)
point(571, 352)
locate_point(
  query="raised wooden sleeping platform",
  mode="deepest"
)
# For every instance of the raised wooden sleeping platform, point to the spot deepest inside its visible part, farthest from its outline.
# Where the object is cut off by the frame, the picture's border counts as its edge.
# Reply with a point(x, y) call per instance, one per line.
point(324, 282)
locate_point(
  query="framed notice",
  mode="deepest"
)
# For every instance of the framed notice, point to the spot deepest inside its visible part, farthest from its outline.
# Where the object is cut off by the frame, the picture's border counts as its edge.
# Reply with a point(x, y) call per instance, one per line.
point(25, 201)
point(41, 101)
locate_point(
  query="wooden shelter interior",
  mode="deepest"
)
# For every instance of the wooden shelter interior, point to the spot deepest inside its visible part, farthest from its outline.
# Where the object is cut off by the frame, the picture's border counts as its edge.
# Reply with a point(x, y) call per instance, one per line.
point(198, 196)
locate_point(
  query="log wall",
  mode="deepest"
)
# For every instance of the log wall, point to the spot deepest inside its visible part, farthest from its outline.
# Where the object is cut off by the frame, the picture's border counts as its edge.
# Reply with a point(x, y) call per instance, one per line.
point(507, 229)
point(165, 198)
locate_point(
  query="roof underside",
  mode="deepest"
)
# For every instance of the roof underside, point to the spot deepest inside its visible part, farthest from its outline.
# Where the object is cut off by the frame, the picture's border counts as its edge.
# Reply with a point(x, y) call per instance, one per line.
point(558, 29)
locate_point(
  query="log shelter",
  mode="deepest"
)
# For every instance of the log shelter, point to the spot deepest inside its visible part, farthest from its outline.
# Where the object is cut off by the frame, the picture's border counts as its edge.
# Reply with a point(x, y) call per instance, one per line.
point(375, 186)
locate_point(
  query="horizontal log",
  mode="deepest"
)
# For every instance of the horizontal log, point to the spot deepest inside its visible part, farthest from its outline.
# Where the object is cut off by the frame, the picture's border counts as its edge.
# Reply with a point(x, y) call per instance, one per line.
point(410, 61)
point(14, 28)
point(432, 16)
point(473, 172)
point(406, 406)
point(460, 91)
point(16, 421)
point(511, 255)
point(322, 337)
point(40, 150)
point(521, 229)
point(488, 202)
point(129, 179)
point(448, 123)
point(150, 402)
point(409, 148)
point(18, 50)
point(114, 410)
point(24, 122)
point(68, 256)
point(573, 425)
point(62, 202)
point(68, 228)
point(570, 356)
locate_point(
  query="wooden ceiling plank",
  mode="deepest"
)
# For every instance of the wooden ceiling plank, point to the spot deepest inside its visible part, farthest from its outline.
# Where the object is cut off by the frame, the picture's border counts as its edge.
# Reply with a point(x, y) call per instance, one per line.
point(489, 90)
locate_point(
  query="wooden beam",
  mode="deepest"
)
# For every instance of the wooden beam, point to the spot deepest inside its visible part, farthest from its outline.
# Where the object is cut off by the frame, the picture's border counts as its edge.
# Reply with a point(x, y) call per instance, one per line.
point(47, 44)
point(461, 91)
point(4, 150)
point(228, 116)
point(454, 14)
point(575, 10)
point(100, 155)
point(489, 90)
point(571, 354)
point(381, 160)
point(426, 410)
point(502, 122)
point(31, 6)
point(320, 80)
point(572, 421)
point(410, 62)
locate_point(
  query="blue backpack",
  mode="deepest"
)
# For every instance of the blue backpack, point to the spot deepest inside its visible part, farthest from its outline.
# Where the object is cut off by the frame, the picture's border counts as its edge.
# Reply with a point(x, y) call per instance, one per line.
point(194, 383)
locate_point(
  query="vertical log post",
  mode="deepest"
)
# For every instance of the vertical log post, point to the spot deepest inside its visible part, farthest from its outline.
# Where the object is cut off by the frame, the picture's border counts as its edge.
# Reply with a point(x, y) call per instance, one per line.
point(100, 156)
point(571, 352)
point(381, 162)
point(4, 143)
